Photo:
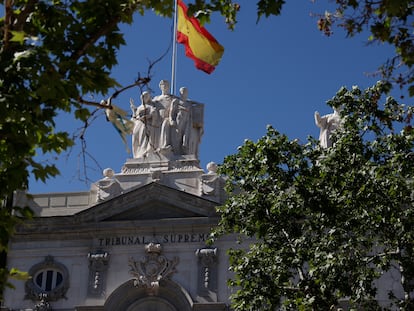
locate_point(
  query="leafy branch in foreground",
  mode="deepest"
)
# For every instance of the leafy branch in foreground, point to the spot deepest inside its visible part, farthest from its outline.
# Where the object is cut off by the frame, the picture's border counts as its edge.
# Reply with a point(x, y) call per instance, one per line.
point(387, 22)
point(52, 53)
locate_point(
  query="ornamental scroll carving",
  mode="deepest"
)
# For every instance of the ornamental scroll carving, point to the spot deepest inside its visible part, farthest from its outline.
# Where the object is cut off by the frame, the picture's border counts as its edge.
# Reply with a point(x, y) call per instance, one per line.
point(43, 304)
point(207, 274)
point(98, 266)
point(152, 268)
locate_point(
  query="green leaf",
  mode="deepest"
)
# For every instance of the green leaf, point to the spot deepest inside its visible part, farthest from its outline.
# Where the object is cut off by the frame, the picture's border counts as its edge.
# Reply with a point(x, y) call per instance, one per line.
point(17, 36)
point(82, 114)
point(19, 275)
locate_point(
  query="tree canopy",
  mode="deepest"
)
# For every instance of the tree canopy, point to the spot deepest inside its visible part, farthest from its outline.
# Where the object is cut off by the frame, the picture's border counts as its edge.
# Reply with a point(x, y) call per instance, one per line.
point(325, 222)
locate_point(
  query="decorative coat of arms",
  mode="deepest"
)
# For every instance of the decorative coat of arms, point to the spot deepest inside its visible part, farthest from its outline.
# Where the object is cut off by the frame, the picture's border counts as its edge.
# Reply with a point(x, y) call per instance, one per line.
point(153, 268)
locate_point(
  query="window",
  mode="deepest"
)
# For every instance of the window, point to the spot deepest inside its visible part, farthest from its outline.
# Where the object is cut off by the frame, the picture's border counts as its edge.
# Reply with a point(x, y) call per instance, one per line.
point(48, 280)
point(48, 277)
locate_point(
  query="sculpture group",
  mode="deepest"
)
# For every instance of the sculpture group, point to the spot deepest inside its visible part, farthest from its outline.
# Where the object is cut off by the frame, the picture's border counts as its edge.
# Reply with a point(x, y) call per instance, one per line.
point(166, 124)
point(173, 125)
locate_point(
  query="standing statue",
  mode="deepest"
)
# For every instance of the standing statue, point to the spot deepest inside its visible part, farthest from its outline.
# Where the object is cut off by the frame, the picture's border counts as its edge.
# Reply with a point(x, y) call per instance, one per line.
point(163, 103)
point(327, 124)
point(184, 130)
point(145, 134)
point(183, 121)
point(165, 98)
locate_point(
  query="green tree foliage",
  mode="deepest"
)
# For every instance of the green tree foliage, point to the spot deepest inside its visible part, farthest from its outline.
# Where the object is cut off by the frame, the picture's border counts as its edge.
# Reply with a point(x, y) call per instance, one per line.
point(325, 222)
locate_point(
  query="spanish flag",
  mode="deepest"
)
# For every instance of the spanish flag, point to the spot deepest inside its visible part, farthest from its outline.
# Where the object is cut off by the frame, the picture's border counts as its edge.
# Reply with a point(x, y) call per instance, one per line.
point(200, 45)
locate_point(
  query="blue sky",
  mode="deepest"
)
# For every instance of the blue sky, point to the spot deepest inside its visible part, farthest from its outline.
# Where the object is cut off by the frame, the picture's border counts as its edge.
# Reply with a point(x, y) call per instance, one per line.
point(277, 72)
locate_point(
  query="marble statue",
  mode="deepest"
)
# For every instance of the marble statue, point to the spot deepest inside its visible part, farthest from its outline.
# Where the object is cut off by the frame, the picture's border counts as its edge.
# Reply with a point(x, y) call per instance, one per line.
point(107, 187)
point(196, 128)
point(146, 133)
point(212, 168)
point(165, 98)
point(327, 124)
point(167, 124)
point(163, 103)
point(181, 115)
point(210, 181)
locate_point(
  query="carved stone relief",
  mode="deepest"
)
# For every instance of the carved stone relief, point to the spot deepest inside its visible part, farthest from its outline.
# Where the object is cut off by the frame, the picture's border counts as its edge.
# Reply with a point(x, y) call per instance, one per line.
point(43, 304)
point(207, 273)
point(98, 266)
point(152, 268)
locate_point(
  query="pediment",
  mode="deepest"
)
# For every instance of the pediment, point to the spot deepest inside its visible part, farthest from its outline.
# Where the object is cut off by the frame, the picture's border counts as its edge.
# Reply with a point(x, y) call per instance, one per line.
point(150, 202)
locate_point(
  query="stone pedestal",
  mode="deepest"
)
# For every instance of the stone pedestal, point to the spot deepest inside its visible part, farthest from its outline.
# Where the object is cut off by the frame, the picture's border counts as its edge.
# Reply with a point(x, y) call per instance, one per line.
point(179, 172)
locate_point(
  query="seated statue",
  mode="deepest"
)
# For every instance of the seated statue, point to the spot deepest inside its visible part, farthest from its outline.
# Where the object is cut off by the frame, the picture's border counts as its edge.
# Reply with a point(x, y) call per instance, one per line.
point(108, 187)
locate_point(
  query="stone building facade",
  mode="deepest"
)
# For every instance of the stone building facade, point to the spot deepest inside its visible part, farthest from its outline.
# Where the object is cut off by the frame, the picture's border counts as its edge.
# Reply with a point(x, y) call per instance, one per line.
point(142, 250)
point(138, 239)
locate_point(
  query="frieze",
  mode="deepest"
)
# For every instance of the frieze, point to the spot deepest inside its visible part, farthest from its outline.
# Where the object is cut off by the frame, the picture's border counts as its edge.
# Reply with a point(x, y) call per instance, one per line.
point(135, 171)
point(168, 238)
point(176, 167)
point(180, 167)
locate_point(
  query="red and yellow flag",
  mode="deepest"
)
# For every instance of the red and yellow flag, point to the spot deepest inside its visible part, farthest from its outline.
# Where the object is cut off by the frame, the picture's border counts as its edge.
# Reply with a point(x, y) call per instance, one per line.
point(200, 45)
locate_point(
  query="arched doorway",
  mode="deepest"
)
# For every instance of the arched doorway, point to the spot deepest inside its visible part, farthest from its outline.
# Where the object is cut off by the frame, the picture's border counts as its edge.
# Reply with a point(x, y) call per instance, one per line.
point(170, 297)
point(152, 304)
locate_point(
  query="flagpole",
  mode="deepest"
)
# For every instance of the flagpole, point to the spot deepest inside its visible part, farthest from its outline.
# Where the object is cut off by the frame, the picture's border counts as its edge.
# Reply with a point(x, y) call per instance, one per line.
point(174, 49)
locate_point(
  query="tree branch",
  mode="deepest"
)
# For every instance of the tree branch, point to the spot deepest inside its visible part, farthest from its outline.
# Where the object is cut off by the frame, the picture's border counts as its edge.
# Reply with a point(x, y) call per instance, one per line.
point(8, 15)
point(138, 82)
point(91, 103)
point(107, 104)
point(371, 259)
point(99, 33)
point(299, 269)
point(24, 14)
point(95, 37)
